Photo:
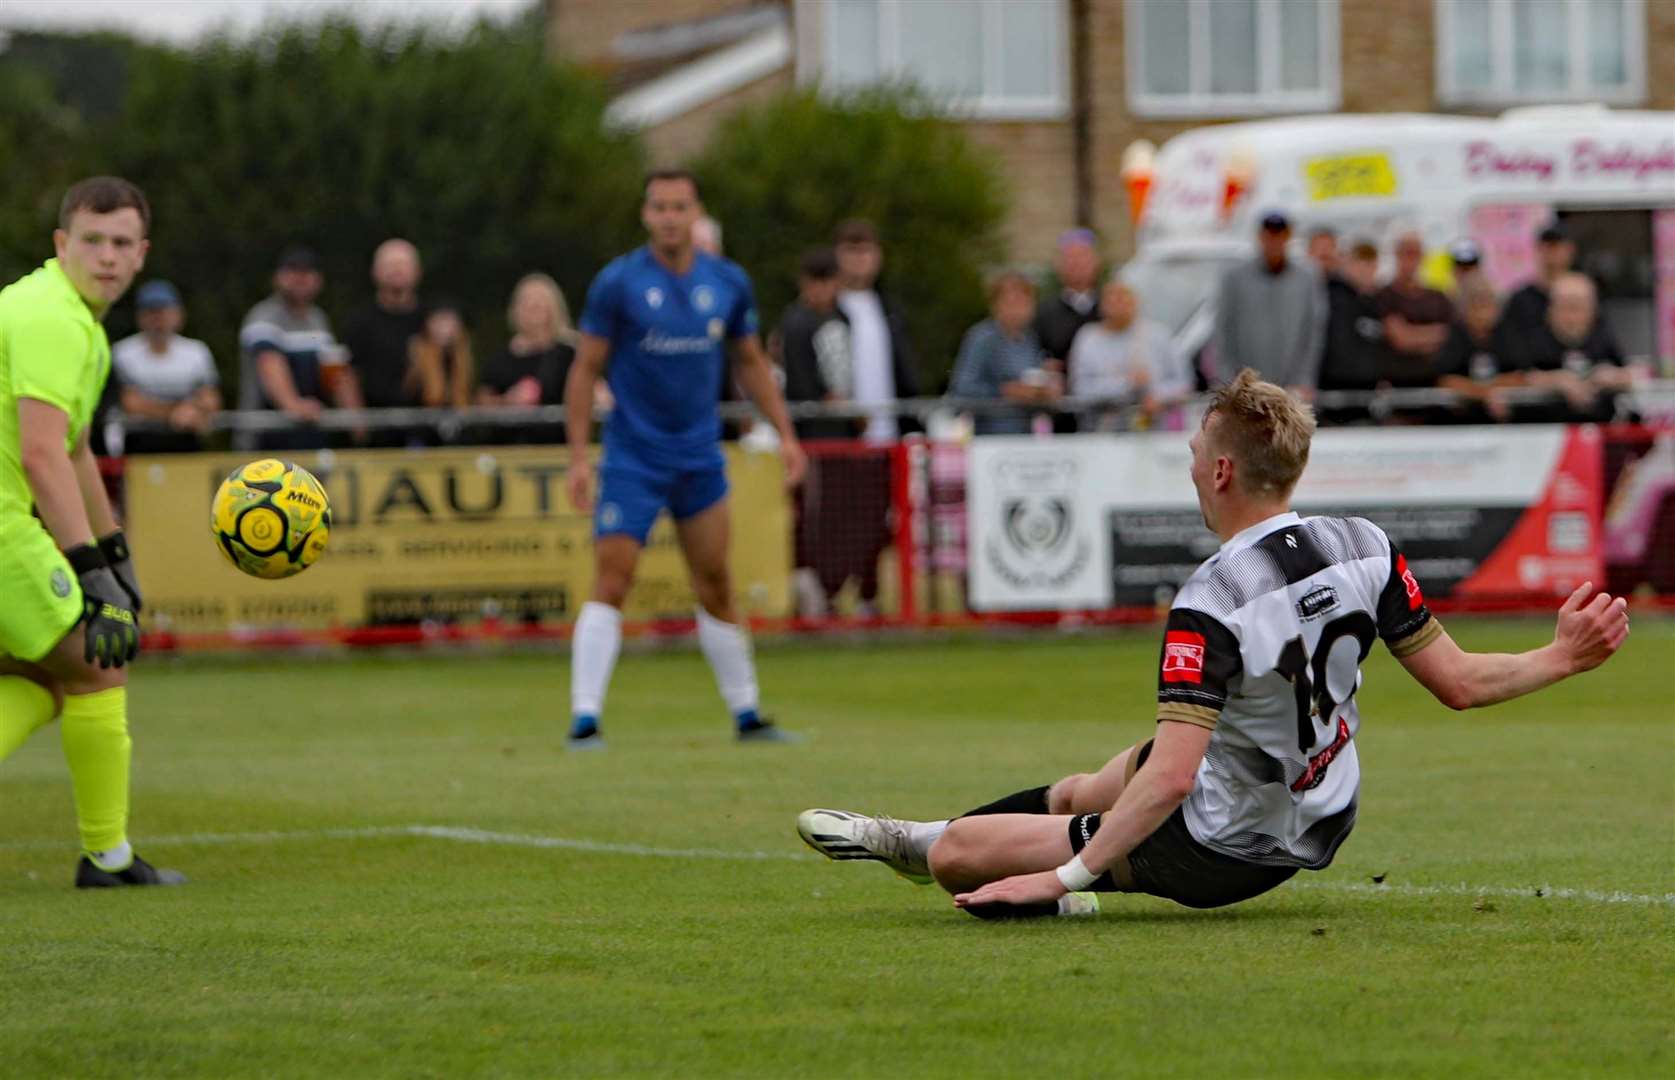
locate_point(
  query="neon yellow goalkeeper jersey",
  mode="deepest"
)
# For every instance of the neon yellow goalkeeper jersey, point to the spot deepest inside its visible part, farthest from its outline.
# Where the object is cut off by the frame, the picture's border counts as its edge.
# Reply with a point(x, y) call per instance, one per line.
point(53, 350)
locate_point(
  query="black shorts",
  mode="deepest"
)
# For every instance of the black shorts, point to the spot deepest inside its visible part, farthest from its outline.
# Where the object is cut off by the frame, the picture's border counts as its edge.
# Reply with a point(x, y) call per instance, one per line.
point(1171, 864)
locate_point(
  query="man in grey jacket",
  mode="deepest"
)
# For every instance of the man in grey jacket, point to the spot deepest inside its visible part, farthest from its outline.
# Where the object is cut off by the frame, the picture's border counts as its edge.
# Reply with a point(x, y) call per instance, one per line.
point(1272, 315)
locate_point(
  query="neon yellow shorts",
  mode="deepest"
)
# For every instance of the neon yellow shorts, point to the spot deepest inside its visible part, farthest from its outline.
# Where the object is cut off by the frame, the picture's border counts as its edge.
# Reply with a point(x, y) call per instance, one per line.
point(40, 598)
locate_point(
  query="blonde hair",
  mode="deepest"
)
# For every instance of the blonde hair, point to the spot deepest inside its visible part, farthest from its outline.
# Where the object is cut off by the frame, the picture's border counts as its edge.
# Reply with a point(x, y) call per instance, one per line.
point(1264, 430)
point(562, 329)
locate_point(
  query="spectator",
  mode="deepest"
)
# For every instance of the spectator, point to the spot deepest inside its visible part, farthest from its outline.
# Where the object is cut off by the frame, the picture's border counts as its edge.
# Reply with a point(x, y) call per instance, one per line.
point(1271, 314)
point(814, 346)
point(377, 335)
point(1126, 358)
point(288, 358)
point(1416, 319)
point(844, 497)
point(1575, 353)
point(1076, 304)
point(1468, 268)
point(440, 369)
point(1354, 331)
point(1323, 251)
point(165, 377)
point(706, 235)
point(533, 367)
point(884, 368)
point(1473, 360)
point(1001, 360)
point(1526, 309)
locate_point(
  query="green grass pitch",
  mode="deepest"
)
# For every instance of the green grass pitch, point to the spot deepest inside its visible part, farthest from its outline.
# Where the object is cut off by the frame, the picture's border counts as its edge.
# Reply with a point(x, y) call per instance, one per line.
point(649, 911)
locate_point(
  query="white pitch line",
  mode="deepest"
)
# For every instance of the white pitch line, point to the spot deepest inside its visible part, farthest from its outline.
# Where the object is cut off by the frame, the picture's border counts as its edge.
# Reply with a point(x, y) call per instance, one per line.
point(464, 835)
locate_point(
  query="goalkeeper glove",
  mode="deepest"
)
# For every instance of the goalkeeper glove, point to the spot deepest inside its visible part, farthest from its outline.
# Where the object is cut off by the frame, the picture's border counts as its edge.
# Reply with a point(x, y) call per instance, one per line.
point(113, 630)
point(115, 550)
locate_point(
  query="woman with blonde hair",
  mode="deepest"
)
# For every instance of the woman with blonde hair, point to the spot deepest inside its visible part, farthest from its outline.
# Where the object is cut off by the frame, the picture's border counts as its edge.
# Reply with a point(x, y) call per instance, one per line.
point(532, 368)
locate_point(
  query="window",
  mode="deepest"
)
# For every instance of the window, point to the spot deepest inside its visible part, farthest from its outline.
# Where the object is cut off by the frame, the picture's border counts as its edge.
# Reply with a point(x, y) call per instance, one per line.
point(999, 59)
point(1496, 52)
point(1231, 57)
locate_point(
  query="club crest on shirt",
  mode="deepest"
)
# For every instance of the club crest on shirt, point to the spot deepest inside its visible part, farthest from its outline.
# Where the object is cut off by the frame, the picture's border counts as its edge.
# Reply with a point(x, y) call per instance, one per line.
point(703, 298)
point(654, 297)
point(717, 328)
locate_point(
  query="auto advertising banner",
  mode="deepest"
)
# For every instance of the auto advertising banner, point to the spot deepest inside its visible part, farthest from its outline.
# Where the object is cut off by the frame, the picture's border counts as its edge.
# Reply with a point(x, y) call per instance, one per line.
point(452, 535)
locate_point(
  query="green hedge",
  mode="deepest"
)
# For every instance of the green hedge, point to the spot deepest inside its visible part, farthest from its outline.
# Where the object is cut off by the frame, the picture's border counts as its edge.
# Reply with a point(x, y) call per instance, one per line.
point(780, 176)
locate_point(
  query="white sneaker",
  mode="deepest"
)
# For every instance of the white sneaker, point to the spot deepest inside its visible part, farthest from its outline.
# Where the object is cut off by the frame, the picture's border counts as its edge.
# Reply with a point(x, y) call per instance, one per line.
point(842, 836)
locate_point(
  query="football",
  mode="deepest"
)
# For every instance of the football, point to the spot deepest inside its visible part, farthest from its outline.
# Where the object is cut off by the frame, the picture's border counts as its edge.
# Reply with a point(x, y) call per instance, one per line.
point(271, 519)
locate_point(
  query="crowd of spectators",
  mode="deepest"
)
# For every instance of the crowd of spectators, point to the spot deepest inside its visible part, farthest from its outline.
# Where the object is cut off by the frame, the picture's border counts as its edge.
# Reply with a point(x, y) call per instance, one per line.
point(1325, 319)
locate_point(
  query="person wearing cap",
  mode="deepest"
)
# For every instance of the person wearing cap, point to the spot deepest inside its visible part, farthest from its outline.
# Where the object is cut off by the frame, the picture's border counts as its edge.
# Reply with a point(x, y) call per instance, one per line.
point(1059, 317)
point(1271, 314)
point(165, 377)
point(1525, 315)
point(286, 348)
point(1467, 259)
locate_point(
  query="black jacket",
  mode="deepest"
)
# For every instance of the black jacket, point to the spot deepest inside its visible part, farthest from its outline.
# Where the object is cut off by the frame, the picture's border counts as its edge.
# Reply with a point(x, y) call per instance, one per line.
point(1354, 338)
point(800, 351)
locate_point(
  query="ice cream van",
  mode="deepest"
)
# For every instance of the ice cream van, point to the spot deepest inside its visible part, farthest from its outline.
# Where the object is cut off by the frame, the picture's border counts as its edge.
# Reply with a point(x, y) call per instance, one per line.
point(1608, 175)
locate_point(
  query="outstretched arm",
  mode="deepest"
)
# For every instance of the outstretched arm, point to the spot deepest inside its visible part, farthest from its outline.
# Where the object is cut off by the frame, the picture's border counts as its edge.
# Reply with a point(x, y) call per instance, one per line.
point(1588, 632)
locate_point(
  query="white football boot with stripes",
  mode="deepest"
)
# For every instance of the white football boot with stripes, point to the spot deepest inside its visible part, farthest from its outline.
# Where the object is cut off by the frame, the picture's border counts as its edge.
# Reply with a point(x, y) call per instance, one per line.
point(842, 836)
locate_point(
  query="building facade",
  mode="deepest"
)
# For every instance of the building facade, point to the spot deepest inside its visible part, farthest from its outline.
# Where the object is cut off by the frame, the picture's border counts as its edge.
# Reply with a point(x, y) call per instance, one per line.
point(1058, 89)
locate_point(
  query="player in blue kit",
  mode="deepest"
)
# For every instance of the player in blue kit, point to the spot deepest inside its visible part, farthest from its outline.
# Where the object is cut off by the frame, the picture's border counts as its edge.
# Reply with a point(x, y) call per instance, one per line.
point(660, 324)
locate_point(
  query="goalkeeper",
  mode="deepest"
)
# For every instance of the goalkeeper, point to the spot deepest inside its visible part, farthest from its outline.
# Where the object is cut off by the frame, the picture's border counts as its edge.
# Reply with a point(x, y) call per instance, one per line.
point(69, 602)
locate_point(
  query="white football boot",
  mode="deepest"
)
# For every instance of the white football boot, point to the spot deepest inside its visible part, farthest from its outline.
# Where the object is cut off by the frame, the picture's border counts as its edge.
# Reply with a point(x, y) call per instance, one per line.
point(841, 835)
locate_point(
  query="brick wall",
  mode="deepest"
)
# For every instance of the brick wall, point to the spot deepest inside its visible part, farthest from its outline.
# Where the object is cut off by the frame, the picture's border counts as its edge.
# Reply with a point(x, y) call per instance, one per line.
point(1660, 54)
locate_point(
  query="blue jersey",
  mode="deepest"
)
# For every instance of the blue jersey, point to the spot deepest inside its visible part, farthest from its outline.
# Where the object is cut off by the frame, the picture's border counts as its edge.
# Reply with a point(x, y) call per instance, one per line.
point(668, 334)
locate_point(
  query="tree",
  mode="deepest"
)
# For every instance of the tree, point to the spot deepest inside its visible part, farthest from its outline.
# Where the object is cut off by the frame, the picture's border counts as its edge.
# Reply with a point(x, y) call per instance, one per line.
point(780, 176)
point(494, 161)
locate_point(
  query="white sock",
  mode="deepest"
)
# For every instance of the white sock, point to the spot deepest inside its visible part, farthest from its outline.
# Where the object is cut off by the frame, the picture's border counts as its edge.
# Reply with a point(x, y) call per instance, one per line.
point(593, 653)
point(922, 834)
point(114, 859)
point(727, 647)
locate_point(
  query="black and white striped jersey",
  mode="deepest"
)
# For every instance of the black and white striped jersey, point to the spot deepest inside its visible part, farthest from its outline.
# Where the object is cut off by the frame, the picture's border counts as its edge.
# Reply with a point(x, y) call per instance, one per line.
point(1264, 647)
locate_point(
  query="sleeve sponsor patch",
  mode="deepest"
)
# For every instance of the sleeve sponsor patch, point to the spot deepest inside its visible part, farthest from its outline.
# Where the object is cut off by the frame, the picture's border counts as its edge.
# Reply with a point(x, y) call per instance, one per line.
point(1183, 657)
point(1415, 598)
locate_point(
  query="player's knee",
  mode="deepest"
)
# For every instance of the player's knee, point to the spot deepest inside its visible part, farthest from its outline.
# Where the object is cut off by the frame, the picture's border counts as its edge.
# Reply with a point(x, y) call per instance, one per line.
point(37, 675)
point(91, 678)
point(954, 857)
point(1061, 797)
point(610, 586)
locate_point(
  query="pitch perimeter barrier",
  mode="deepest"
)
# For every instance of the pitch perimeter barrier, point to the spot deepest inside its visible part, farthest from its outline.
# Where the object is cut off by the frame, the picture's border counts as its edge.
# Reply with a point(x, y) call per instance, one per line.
point(470, 544)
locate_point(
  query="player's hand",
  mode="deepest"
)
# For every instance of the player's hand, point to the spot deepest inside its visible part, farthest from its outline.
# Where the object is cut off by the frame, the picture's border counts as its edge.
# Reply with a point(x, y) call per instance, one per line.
point(796, 462)
point(1589, 631)
point(1041, 888)
point(112, 628)
point(307, 409)
point(121, 561)
point(578, 484)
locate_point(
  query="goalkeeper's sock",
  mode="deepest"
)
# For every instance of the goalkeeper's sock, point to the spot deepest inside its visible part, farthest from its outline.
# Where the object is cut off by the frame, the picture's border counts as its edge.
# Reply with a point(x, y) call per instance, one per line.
point(1028, 801)
point(97, 748)
point(593, 654)
point(25, 706)
point(727, 647)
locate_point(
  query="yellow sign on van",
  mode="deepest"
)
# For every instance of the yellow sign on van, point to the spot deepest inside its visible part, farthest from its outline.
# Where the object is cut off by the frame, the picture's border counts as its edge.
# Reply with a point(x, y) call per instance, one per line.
point(1349, 175)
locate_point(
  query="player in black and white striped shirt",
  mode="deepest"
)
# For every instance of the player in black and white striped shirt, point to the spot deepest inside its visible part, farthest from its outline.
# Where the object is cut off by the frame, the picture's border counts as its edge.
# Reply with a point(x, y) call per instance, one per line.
point(1252, 773)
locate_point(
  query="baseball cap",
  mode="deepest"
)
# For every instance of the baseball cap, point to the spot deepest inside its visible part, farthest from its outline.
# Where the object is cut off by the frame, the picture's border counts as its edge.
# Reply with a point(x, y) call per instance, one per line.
point(1275, 221)
point(1465, 253)
point(1552, 233)
point(298, 257)
point(1070, 238)
point(154, 295)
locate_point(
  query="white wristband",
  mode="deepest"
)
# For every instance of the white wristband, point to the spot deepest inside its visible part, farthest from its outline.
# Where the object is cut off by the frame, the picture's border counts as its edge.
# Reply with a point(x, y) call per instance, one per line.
point(1075, 876)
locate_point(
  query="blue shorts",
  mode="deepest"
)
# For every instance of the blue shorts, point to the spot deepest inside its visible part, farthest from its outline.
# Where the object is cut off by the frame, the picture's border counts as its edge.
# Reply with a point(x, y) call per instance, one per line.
point(632, 494)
